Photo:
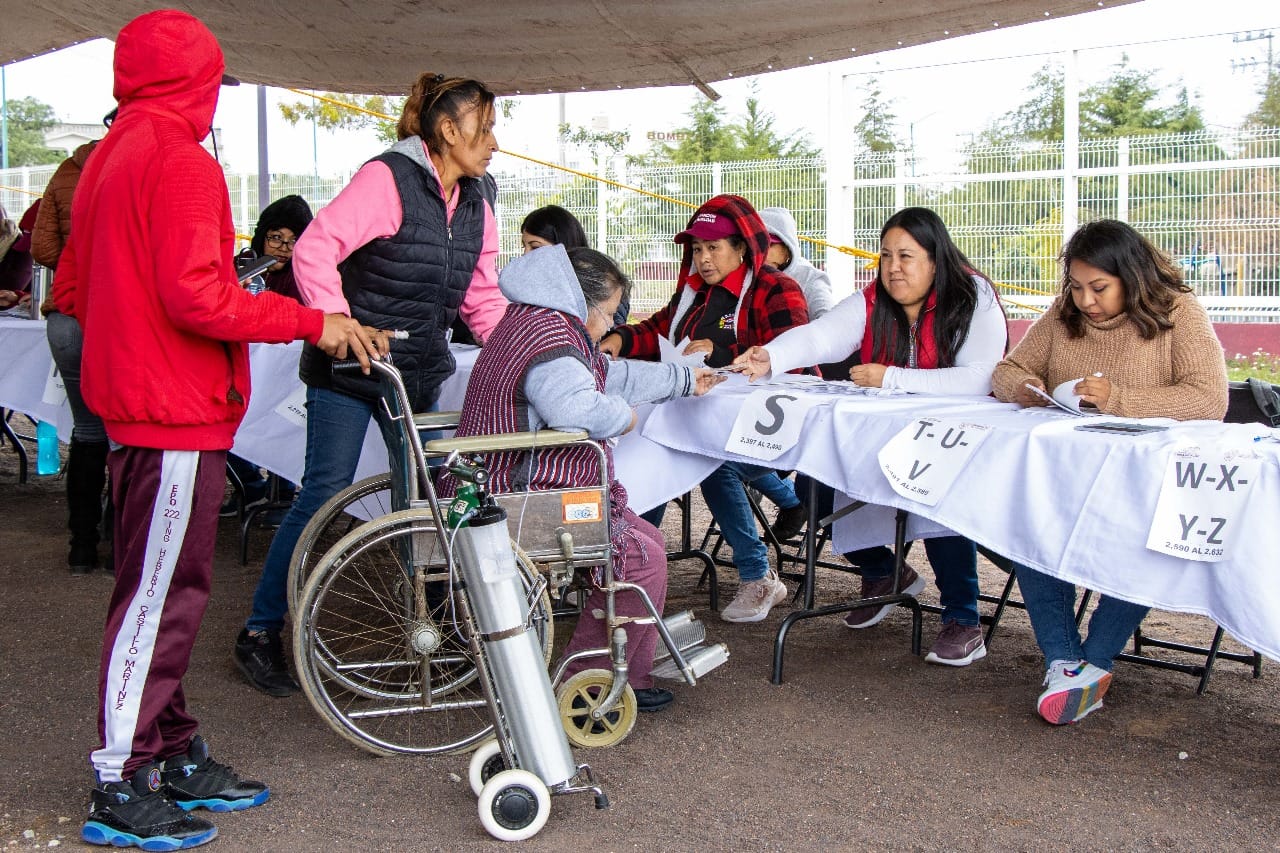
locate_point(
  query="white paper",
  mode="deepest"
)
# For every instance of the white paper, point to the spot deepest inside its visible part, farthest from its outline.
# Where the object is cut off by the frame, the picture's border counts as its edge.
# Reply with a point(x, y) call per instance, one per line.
point(294, 407)
point(55, 390)
point(769, 423)
point(670, 353)
point(923, 460)
point(1064, 398)
point(1201, 502)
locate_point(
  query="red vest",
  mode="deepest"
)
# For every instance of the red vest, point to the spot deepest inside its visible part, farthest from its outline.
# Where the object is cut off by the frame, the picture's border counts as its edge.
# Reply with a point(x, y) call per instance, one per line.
point(925, 345)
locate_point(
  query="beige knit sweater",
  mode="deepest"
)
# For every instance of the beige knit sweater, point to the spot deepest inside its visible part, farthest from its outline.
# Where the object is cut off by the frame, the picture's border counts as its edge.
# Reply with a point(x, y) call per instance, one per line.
point(1180, 373)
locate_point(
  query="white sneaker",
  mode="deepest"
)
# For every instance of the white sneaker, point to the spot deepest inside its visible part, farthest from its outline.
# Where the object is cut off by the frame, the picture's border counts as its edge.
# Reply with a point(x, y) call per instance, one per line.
point(1073, 690)
point(755, 599)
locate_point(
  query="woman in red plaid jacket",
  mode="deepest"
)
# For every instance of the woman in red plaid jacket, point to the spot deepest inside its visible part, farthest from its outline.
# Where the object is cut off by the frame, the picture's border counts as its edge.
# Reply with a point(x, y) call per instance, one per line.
point(727, 300)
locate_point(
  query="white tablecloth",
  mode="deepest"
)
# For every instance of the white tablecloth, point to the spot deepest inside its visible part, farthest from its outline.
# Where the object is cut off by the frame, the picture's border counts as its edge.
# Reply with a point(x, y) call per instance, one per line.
point(265, 437)
point(651, 472)
point(1077, 505)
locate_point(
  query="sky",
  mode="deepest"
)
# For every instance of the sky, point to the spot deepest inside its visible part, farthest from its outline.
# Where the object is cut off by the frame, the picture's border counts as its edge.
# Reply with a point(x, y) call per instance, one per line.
point(941, 92)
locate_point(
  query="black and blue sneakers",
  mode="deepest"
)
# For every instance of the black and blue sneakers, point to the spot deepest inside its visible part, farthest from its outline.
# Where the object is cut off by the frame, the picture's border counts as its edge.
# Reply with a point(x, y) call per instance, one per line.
point(150, 810)
point(196, 781)
point(136, 813)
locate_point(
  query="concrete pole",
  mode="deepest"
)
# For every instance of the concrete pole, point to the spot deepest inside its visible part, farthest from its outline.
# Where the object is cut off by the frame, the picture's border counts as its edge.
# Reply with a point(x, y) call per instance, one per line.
point(264, 171)
point(839, 160)
point(1071, 145)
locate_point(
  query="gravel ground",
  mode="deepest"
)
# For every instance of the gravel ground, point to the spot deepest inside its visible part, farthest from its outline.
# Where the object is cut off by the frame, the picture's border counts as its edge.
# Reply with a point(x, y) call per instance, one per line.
point(862, 747)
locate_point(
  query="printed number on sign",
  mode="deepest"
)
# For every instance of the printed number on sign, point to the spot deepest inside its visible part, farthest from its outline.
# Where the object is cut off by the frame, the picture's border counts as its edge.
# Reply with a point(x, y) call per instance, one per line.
point(1201, 500)
point(769, 423)
point(923, 460)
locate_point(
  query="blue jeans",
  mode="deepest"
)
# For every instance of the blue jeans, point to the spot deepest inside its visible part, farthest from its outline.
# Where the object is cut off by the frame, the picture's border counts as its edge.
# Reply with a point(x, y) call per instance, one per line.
point(1051, 604)
point(66, 341)
point(726, 497)
point(955, 572)
point(336, 426)
point(776, 489)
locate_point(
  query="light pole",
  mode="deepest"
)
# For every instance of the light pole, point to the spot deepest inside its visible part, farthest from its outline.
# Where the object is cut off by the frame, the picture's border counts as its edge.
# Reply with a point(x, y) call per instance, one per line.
point(4, 122)
point(911, 135)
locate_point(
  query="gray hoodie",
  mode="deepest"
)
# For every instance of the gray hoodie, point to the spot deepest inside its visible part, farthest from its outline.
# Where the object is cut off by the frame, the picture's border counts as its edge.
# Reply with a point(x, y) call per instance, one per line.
point(562, 392)
point(815, 283)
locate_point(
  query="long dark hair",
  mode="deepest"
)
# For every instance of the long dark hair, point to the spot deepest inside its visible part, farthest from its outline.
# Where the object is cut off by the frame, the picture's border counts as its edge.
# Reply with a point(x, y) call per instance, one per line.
point(555, 225)
point(1151, 280)
point(957, 294)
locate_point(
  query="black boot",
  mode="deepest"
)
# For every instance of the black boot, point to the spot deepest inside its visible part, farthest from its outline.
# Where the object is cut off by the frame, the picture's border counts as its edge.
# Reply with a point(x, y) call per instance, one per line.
point(86, 475)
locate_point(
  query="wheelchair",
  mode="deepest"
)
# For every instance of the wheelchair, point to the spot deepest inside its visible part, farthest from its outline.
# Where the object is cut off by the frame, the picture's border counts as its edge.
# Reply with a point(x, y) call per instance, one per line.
point(384, 647)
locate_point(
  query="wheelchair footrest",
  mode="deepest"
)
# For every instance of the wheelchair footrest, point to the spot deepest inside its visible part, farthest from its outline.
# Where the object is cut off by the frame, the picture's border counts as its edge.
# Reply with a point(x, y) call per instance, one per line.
point(701, 659)
point(685, 629)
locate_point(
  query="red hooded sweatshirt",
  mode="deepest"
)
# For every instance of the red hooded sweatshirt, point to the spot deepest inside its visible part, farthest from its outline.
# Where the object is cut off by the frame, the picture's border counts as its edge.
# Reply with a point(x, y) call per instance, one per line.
point(148, 267)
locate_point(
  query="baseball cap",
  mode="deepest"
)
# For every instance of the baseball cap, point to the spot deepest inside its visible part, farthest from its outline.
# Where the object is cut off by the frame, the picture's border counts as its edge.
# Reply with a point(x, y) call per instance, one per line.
point(774, 239)
point(708, 226)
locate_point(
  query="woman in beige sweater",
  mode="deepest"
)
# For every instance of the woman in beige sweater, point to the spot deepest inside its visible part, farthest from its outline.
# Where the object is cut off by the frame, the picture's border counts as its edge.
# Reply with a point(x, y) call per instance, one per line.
point(1145, 347)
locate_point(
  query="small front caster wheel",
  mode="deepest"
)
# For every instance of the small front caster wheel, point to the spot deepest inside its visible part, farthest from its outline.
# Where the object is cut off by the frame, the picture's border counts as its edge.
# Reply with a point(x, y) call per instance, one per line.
point(514, 805)
point(581, 694)
point(486, 762)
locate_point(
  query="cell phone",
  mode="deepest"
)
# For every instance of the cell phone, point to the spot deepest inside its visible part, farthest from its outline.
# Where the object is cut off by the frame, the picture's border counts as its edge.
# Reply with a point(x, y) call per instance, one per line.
point(1116, 428)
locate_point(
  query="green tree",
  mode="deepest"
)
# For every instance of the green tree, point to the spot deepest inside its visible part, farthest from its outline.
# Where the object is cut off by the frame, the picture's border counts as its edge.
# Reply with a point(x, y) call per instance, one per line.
point(352, 112)
point(1126, 105)
point(28, 120)
point(874, 132)
point(1267, 113)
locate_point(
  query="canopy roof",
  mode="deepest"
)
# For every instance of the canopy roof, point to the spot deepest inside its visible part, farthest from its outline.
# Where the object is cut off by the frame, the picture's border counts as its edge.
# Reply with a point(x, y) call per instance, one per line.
point(527, 46)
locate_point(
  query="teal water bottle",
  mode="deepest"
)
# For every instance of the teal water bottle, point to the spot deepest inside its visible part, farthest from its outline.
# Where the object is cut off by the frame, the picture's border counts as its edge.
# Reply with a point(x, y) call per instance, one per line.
point(47, 459)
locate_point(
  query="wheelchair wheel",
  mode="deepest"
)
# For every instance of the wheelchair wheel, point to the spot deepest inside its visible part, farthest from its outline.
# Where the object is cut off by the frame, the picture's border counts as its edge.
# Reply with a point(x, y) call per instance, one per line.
point(378, 649)
point(348, 509)
point(582, 693)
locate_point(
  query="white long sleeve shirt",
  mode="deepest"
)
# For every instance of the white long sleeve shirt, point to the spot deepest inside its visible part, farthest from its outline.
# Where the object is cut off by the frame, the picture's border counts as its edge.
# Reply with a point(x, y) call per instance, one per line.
point(837, 334)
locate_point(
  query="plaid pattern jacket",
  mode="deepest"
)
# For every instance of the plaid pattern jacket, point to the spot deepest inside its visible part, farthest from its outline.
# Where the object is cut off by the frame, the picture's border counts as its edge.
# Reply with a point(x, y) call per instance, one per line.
point(772, 303)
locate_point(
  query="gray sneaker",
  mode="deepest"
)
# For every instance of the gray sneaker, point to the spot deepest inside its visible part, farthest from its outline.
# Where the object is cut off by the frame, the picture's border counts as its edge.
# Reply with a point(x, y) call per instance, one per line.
point(755, 599)
point(865, 617)
point(957, 645)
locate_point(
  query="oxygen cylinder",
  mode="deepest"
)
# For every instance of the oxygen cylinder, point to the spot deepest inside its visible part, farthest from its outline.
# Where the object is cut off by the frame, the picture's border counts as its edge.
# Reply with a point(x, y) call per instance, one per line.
point(500, 608)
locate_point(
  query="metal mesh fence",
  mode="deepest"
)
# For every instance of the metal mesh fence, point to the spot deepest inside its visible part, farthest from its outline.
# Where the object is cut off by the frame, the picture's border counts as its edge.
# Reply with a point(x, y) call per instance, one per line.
point(1211, 200)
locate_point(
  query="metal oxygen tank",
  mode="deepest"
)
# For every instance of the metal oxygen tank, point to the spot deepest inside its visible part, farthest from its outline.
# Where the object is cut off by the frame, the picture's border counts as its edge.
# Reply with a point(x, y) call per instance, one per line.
point(500, 608)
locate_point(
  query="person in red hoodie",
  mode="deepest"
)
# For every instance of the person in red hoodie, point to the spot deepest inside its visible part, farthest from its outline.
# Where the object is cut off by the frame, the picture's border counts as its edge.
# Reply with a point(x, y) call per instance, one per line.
point(148, 272)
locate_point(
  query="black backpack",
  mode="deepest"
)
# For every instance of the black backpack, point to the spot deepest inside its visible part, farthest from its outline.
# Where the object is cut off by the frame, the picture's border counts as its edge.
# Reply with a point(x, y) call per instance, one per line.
point(1253, 401)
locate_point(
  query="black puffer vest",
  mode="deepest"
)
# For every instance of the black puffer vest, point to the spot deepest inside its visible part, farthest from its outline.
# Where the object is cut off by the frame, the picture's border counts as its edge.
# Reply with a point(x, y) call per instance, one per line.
point(414, 280)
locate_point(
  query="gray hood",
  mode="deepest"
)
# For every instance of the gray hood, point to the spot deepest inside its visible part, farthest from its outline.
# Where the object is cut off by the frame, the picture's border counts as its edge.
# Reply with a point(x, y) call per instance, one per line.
point(544, 277)
point(782, 225)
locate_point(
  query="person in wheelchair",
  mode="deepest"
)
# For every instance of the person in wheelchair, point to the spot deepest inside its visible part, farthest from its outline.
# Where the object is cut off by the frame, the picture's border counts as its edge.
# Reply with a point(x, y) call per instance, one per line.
point(1145, 347)
point(929, 324)
point(541, 367)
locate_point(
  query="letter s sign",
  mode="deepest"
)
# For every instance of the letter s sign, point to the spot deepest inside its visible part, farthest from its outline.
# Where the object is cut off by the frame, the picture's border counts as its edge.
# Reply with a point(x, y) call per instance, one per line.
point(779, 416)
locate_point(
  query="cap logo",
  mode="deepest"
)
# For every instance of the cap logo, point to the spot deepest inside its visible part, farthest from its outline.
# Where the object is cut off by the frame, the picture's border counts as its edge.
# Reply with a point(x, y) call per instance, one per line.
point(153, 779)
point(709, 218)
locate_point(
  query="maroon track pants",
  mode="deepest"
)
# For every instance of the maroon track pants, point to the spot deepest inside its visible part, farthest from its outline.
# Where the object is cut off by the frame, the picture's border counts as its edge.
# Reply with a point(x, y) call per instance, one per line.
point(165, 525)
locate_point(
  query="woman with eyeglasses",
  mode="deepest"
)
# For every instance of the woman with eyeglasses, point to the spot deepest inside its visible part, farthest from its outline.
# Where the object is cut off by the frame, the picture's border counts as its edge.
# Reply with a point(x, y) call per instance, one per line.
point(279, 226)
point(408, 245)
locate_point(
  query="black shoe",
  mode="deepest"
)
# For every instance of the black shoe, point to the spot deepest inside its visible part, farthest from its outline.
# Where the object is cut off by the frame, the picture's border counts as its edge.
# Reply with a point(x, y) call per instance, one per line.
point(196, 781)
point(789, 522)
point(261, 658)
point(650, 699)
point(136, 813)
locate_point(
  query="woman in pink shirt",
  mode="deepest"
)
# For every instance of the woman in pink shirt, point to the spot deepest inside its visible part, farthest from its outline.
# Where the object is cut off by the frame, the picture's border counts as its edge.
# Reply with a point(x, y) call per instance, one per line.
point(408, 245)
